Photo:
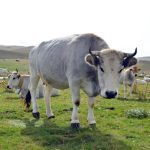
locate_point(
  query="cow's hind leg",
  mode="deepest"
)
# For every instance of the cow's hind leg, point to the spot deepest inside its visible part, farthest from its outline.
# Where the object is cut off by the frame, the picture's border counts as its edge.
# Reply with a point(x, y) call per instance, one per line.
point(33, 85)
point(48, 90)
point(75, 91)
point(124, 90)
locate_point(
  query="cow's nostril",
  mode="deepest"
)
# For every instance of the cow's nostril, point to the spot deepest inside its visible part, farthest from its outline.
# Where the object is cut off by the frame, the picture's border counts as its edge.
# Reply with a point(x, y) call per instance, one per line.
point(111, 94)
point(7, 86)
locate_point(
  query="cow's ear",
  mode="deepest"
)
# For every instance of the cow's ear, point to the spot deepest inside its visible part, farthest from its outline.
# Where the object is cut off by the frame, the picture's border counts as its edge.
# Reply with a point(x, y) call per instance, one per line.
point(18, 76)
point(129, 59)
point(9, 75)
point(92, 60)
point(130, 62)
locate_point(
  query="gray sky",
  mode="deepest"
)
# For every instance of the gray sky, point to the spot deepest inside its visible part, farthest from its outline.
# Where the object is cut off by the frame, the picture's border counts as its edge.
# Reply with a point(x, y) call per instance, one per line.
point(124, 24)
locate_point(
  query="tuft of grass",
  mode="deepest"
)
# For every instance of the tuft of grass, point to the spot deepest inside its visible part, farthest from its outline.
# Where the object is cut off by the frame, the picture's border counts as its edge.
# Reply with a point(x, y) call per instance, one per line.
point(137, 113)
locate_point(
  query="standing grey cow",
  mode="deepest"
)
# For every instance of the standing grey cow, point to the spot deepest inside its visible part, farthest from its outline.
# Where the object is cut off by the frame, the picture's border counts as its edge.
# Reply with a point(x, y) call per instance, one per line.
point(79, 61)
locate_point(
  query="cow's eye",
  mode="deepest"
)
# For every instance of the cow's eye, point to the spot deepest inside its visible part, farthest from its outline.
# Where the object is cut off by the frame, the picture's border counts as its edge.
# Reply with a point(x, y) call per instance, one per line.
point(102, 69)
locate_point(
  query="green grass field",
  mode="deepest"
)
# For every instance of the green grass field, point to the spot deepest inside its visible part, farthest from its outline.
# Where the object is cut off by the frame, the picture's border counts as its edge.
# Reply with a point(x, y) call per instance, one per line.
point(12, 64)
point(113, 131)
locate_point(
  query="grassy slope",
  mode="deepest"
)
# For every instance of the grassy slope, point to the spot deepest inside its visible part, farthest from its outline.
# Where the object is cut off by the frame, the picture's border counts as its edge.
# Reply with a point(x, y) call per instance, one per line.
point(12, 55)
point(114, 131)
point(12, 64)
point(145, 66)
point(14, 52)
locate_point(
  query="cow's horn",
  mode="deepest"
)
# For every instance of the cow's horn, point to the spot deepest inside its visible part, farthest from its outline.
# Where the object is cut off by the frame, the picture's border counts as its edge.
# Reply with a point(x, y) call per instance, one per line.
point(16, 70)
point(130, 55)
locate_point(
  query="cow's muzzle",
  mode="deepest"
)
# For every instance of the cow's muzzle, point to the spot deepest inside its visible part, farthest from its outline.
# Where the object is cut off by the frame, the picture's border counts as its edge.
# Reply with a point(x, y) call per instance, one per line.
point(111, 94)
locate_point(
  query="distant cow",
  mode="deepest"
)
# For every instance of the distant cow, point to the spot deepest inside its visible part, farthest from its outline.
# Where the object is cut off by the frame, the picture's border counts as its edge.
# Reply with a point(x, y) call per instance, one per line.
point(128, 78)
point(21, 83)
point(139, 81)
point(147, 78)
point(3, 78)
point(3, 72)
point(79, 61)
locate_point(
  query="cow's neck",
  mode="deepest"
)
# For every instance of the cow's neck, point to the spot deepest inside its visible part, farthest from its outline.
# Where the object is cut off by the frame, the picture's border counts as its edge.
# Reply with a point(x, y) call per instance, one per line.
point(20, 83)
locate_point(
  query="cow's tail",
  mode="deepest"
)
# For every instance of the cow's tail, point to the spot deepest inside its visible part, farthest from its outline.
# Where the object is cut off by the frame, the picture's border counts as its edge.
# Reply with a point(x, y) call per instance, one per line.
point(27, 101)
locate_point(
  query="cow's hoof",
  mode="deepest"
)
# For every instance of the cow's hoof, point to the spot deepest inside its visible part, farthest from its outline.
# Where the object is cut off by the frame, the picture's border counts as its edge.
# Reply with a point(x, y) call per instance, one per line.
point(93, 125)
point(51, 117)
point(36, 115)
point(75, 125)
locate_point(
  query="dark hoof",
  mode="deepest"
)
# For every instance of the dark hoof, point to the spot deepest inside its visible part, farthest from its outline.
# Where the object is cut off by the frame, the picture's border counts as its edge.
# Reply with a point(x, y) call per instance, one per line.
point(36, 115)
point(75, 125)
point(51, 117)
point(93, 126)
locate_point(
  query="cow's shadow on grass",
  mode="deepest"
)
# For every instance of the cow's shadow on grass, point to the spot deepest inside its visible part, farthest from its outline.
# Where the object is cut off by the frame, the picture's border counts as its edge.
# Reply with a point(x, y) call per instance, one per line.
point(51, 136)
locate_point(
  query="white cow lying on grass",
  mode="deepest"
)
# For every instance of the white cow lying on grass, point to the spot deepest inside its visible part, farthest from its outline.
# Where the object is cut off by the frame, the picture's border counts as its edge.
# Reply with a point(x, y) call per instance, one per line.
point(128, 78)
point(147, 79)
point(3, 71)
point(3, 78)
point(21, 83)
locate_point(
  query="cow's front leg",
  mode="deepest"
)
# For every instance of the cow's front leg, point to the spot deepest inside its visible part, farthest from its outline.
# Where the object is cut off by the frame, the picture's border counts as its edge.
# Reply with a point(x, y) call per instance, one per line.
point(90, 118)
point(131, 89)
point(48, 90)
point(76, 102)
point(74, 118)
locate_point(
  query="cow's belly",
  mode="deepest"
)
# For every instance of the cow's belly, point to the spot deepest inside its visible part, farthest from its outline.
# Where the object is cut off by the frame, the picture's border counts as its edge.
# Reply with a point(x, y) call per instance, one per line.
point(55, 82)
point(58, 85)
point(129, 83)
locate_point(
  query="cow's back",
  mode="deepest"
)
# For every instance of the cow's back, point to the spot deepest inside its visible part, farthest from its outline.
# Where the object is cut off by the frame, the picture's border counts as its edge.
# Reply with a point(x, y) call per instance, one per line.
point(57, 60)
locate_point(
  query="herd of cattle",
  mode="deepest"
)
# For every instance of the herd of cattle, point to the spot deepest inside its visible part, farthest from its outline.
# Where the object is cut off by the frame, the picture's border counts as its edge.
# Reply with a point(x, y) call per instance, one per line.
point(21, 82)
point(82, 61)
